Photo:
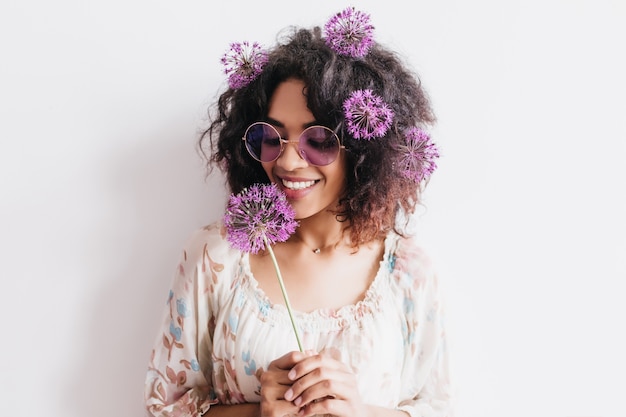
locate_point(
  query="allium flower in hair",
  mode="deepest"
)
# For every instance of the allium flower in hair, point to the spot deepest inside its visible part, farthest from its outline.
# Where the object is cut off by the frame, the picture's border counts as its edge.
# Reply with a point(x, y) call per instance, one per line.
point(255, 219)
point(367, 115)
point(349, 33)
point(243, 63)
point(418, 155)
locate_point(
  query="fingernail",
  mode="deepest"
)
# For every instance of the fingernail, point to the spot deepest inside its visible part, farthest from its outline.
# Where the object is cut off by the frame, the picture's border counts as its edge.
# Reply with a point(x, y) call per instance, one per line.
point(292, 374)
point(288, 394)
point(297, 401)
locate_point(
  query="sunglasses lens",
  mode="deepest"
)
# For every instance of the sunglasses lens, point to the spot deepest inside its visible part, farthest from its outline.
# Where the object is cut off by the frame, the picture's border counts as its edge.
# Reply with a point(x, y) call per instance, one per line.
point(319, 145)
point(263, 142)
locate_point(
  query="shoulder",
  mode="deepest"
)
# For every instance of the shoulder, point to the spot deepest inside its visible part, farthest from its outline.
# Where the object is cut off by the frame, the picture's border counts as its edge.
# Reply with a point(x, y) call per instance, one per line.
point(412, 266)
point(207, 260)
point(210, 238)
point(207, 248)
point(411, 253)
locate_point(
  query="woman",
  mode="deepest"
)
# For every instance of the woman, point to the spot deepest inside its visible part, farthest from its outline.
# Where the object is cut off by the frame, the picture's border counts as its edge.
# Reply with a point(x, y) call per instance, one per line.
point(334, 125)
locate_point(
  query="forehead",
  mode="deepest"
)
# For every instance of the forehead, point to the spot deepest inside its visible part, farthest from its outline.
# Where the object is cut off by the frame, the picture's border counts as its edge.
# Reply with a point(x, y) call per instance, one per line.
point(288, 104)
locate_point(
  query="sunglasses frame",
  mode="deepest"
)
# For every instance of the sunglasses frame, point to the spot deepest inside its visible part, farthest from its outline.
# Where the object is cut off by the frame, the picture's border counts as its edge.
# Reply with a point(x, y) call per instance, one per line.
point(285, 142)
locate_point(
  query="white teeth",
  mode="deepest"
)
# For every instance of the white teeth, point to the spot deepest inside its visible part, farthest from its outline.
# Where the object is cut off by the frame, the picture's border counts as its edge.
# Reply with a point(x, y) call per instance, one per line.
point(297, 185)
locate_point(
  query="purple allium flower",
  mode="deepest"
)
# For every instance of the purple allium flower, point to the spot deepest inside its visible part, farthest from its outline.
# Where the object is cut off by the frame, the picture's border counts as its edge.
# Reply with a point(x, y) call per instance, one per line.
point(349, 33)
point(418, 155)
point(243, 63)
point(255, 219)
point(257, 213)
point(367, 115)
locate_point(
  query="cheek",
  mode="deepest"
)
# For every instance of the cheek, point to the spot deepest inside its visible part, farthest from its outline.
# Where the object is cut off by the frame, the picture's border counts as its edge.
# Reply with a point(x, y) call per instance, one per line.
point(338, 175)
point(268, 167)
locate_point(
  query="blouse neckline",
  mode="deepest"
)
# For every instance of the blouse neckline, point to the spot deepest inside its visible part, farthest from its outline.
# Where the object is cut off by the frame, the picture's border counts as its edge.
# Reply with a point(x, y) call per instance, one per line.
point(325, 317)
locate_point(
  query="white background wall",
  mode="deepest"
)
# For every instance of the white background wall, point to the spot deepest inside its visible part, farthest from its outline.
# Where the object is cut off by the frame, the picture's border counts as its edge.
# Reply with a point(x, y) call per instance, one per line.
point(100, 106)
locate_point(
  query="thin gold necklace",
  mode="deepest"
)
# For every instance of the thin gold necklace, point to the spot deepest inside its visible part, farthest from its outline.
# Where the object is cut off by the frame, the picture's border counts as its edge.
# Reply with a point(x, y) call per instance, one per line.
point(317, 250)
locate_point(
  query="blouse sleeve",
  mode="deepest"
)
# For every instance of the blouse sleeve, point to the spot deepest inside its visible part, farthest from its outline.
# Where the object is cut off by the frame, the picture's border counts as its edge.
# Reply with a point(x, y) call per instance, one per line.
point(426, 377)
point(178, 381)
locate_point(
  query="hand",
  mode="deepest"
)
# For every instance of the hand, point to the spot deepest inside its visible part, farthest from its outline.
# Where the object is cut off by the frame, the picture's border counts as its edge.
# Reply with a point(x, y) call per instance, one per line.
point(324, 385)
point(274, 384)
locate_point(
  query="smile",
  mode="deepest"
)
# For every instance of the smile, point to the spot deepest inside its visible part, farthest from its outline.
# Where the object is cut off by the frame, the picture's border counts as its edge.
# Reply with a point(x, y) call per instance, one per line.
point(300, 185)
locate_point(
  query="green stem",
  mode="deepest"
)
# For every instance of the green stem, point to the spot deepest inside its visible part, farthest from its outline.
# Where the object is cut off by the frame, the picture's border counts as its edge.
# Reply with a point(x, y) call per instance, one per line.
point(284, 291)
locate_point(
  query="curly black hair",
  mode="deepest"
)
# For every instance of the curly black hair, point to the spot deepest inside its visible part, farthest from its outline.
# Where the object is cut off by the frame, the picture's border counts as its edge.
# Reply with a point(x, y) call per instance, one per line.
point(375, 192)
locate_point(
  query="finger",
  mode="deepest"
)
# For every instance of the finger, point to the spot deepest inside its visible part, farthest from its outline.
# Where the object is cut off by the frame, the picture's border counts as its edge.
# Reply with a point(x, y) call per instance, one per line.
point(277, 371)
point(313, 370)
point(278, 408)
point(315, 361)
point(273, 387)
point(326, 389)
point(322, 383)
point(327, 406)
point(272, 393)
point(274, 383)
point(288, 360)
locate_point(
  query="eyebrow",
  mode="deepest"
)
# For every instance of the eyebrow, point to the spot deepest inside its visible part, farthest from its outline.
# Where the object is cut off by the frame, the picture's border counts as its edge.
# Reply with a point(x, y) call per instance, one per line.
point(276, 123)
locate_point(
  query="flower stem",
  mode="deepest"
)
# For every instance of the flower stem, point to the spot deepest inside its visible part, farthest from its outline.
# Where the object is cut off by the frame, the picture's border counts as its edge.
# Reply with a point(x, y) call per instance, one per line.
point(284, 291)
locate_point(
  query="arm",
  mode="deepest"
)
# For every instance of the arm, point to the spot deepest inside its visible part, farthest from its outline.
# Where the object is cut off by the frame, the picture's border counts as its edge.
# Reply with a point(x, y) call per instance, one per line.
point(434, 395)
point(274, 383)
point(179, 380)
point(238, 410)
point(426, 375)
point(179, 371)
point(323, 385)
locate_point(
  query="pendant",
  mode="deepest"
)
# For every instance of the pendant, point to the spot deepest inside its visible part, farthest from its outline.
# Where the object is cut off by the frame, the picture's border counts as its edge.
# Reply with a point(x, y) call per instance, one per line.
point(317, 251)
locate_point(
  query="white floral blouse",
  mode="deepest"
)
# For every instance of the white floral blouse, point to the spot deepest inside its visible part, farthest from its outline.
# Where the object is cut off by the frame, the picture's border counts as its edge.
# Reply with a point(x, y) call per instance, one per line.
point(220, 332)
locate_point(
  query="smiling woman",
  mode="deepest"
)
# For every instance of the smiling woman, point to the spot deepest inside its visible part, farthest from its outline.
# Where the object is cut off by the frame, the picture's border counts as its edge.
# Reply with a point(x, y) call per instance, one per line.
point(312, 189)
point(338, 126)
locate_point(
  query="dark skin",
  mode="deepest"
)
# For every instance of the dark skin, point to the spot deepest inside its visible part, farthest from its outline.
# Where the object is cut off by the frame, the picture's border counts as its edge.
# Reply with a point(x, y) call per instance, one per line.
point(317, 383)
point(311, 383)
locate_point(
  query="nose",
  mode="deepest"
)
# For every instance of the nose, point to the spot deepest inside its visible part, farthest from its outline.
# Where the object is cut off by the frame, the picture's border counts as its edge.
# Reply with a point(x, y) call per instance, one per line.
point(290, 158)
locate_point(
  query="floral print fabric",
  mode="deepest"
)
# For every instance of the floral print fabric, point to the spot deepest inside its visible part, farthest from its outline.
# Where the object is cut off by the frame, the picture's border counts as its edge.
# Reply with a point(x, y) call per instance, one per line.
point(220, 332)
